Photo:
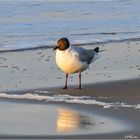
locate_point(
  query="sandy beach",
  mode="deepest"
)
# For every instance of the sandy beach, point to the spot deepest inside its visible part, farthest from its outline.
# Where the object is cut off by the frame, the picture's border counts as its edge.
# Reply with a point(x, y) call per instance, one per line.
point(36, 68)
point(33, 105)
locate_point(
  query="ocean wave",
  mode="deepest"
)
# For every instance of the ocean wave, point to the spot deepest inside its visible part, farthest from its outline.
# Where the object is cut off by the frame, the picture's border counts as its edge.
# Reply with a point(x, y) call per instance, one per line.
point(15, 48)
point(96, 42)
point(106, 33)
point(68, 99)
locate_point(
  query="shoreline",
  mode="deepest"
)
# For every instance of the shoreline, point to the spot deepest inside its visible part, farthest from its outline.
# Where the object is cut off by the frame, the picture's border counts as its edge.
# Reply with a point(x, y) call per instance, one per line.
point(120, 90)
point(125, 87)
point(73, 44)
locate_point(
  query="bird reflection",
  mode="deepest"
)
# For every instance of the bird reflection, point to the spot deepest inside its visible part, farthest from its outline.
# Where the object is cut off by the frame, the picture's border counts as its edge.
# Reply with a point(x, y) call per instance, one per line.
point(69, 120)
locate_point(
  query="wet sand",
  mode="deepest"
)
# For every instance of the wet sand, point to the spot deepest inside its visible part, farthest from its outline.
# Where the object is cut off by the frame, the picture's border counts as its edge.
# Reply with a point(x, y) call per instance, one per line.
point(31, 84)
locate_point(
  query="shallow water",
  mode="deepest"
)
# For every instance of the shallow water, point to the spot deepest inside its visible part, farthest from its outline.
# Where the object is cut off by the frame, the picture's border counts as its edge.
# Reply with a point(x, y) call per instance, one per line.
point(19, 119)
point(34, 23)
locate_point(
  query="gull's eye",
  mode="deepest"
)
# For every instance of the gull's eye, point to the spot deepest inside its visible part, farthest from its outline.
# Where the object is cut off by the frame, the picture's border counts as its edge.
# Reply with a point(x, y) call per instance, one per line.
point(63, 43)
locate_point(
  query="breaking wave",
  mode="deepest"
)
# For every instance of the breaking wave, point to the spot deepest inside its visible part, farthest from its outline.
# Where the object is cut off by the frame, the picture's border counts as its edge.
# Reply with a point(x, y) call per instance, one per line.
point(104, 37)
point(68, 99)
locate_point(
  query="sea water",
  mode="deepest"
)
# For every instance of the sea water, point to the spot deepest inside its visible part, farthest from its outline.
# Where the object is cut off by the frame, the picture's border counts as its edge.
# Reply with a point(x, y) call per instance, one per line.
point(27, 24)
point(31, 120)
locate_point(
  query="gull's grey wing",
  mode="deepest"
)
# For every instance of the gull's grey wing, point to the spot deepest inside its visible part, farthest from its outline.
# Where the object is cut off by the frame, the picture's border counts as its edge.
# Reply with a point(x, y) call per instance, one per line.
point(85, 55)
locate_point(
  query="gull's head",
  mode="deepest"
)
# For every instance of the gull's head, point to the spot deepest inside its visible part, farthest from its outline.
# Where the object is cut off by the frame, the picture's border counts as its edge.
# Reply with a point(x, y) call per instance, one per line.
point(62, 44)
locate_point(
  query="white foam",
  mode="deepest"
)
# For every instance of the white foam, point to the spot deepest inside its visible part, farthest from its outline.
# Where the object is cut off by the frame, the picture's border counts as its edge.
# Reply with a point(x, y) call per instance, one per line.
point(28, 96)
point(39, 91)
point(69, 99)
point(138, 106)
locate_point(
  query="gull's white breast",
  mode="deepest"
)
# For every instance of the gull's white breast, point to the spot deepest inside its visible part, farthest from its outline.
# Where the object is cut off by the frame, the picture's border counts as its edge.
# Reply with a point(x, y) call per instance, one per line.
point(68, 61)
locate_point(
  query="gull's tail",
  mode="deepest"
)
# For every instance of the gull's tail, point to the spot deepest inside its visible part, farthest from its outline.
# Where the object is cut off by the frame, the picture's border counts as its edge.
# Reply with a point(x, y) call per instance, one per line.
point(97, 50)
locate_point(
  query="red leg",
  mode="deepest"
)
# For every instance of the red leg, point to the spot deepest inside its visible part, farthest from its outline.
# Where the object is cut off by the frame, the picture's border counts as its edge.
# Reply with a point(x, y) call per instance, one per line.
point(65, 87)
point(79, 80)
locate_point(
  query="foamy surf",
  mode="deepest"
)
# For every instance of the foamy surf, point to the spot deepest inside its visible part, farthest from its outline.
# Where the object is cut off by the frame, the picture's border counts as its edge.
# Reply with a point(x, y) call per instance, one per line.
point(69, 99)
point(51, 44)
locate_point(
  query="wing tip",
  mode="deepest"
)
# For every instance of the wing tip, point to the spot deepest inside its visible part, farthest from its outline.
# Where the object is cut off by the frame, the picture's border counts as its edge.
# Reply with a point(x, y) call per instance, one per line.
point(96, 49)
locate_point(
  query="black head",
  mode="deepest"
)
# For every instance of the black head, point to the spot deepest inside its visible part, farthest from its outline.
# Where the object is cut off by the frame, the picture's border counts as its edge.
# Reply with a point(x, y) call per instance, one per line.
point(62, 44)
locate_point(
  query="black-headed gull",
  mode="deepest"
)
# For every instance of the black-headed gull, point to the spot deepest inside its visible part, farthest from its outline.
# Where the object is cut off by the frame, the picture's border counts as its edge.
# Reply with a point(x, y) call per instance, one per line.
point(73, 59)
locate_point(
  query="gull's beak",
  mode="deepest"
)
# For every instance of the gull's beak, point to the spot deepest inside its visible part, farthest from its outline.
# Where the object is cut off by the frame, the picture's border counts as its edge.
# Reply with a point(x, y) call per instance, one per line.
point(56, 47)
point(102, 50)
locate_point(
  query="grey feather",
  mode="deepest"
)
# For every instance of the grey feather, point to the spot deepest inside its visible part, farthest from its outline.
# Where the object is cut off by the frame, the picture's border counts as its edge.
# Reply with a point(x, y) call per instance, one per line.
point(85, 55)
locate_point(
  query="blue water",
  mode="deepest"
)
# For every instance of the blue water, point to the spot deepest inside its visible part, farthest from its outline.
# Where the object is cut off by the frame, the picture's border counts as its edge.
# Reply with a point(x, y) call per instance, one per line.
point(34, 23)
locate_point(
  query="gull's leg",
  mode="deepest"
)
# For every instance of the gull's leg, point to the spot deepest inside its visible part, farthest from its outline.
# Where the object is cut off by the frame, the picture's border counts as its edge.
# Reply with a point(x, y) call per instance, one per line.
point(65, 87)
point(79, 80)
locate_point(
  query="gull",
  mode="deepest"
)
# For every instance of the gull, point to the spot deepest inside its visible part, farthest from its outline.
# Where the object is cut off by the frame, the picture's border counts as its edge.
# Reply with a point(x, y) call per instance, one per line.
point(72, 59)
